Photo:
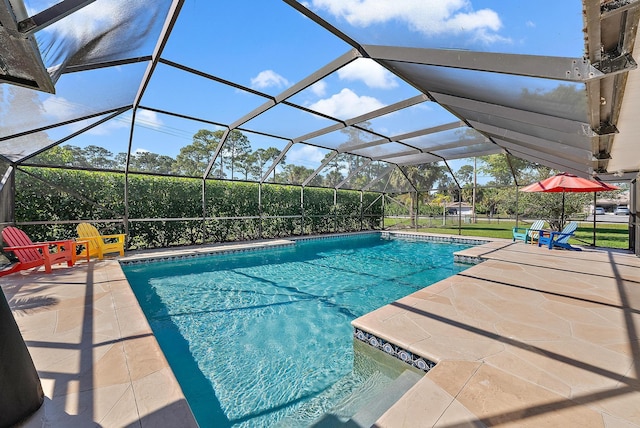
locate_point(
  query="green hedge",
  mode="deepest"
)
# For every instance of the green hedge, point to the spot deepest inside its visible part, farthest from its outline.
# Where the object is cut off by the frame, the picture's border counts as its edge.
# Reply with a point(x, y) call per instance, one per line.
point(49, 194)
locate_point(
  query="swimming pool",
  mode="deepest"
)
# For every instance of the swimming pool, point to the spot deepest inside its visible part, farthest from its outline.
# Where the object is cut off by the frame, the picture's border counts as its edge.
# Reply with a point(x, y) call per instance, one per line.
point(263, 338)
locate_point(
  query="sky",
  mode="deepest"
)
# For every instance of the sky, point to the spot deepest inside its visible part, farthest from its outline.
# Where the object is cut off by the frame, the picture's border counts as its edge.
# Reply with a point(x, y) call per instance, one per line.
point(268, 46)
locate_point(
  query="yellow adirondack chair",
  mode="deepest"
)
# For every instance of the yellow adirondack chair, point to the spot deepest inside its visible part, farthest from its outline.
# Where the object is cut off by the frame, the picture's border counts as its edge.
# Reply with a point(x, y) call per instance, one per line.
point(100, 244)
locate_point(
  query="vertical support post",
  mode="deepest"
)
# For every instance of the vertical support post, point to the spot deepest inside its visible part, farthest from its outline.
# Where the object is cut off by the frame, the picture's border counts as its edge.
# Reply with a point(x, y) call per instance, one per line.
point(126, 204)
point(204, 210)
point(417, 209)
point(126, 175)
point(384, 197)
point(459, 211)
point(260, 210)
point(361, 210)
point(8, 197)
point(517, 207)
point(444, 212)
point(595, 198)
point(302, 210)
point(634, 207)
point(335, 210)
point(473, 196)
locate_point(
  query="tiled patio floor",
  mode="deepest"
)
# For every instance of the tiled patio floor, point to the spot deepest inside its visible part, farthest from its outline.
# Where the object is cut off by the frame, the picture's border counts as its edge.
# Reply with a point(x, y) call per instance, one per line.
point(530, 337)
point(98, 361)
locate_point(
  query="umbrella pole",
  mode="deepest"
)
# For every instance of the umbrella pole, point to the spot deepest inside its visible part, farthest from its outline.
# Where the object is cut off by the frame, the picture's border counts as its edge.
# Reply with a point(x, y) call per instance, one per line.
point(562, 215)
point(594, 217)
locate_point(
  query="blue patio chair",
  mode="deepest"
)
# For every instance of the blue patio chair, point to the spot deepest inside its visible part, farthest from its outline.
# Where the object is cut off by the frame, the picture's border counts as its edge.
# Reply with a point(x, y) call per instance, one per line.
point(559, 239)
point(527, 234)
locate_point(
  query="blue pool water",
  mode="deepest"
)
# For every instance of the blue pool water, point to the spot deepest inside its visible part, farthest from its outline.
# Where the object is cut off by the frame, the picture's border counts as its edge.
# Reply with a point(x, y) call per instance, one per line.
point(263, 338)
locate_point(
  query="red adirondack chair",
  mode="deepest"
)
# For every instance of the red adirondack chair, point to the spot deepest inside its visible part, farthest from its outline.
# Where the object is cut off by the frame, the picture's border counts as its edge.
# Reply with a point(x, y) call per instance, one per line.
point(33, 254)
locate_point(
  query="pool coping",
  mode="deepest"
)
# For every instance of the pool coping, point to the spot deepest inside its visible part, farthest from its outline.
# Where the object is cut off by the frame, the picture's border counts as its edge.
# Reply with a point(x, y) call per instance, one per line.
point(181, 253)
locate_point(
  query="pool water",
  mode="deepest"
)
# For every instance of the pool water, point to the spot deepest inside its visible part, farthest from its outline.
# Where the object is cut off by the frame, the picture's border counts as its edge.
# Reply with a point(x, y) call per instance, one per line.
point(263, 338)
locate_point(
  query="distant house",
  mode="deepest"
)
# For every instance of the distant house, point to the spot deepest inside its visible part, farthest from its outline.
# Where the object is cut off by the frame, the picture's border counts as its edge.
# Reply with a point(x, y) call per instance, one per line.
point(609, 205)
point(465, 208)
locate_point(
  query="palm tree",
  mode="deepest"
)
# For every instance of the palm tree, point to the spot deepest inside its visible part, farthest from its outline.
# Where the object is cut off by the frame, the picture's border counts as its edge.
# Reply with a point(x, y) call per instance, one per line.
point(421, 177)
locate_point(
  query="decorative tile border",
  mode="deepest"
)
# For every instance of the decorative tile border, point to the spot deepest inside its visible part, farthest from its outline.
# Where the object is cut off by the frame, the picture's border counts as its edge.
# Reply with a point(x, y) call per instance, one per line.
point(469, 260)
point(333, 236)
point(293, 240)
point(180, 257)
point(436, 238)
point(402, 354)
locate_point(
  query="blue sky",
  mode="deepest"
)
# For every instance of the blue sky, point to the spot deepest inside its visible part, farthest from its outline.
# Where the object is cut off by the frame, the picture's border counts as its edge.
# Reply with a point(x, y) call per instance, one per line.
point(268, 46)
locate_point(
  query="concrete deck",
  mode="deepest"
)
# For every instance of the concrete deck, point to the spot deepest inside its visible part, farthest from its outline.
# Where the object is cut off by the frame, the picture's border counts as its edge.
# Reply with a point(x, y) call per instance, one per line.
point(98, 361)
point(530, 337)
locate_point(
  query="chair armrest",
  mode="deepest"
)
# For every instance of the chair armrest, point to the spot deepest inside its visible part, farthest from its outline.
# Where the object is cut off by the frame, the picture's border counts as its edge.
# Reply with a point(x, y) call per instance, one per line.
point(117, 235)
point(27, 247)
point(56, 243)
point(560, 234)
point(545, 232)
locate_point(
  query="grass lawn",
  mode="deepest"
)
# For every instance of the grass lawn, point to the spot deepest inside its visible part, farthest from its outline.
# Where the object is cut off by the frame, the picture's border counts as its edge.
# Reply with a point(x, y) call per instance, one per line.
point(609, 235)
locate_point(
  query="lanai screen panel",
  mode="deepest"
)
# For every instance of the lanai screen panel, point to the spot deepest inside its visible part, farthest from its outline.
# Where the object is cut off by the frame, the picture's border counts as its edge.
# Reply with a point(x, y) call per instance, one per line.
point(252, 157)
point(492, 25)
point(391, 180)
point(480, 149)
point(288, 121)
point(545, 96)
point(55, 139)
point(487, 116)
point(264, 45)
point(450, 138)
point(535, 106)
point(343, 139)
point(103, 31)
point(199, 97)
point(359, 87)
point(423, 115)
point(414, 159)
point(366, 175)
point(384, 151)
point(77, 97)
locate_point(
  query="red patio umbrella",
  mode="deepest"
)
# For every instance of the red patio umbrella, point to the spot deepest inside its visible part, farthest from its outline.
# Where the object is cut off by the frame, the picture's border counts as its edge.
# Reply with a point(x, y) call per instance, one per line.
point(565, 182)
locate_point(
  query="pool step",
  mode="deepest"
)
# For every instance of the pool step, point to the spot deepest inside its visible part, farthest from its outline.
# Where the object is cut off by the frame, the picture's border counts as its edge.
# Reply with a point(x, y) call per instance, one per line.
point(376, 407)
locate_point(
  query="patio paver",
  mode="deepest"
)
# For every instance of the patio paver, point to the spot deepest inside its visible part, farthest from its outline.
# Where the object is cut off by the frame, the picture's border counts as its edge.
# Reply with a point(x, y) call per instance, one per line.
point(530, 337)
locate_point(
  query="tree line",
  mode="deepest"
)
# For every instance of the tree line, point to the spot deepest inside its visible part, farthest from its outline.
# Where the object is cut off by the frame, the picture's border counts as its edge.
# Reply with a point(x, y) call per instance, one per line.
point(238, 160)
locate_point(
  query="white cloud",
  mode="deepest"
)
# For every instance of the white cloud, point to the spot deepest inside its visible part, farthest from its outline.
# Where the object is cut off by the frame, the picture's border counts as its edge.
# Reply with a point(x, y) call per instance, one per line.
point(429, 17)
point(267, 79)
point(530, 24)
point(60, 108)
point(370, 72)
point(319, 88)
point(140, 150)
point(305, 155)
point(346, 104)
point(148, 119)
